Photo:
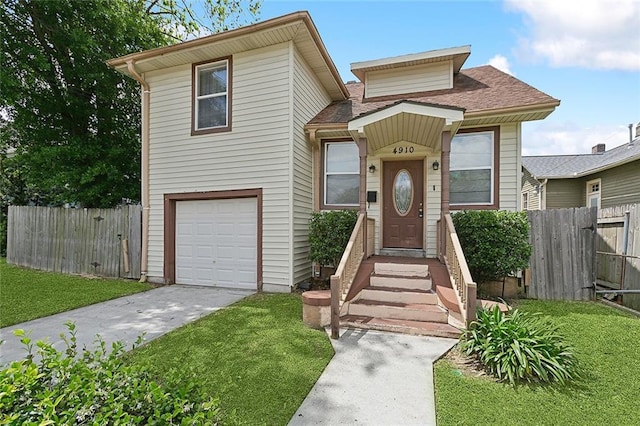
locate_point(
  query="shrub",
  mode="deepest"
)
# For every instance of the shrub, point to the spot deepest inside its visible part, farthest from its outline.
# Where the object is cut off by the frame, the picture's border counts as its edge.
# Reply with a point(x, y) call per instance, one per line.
point(329, 234)
point(94, 388)
point(495, 243)
point(519, 346)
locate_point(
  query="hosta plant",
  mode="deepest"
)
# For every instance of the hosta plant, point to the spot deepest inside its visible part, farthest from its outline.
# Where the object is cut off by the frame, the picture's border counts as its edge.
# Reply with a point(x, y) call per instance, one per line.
point(519, 347)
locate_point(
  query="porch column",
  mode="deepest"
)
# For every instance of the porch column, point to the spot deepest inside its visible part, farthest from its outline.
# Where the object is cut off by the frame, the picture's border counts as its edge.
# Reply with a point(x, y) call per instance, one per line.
point(445, 160)
point(362, 147)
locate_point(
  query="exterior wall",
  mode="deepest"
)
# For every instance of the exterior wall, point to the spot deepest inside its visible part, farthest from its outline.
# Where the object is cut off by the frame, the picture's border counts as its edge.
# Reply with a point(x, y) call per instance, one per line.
point(510, 166)
point(255, 154)
point(309, 98)
point(619, 185)
point(417, 78)
point(564, 193)
point(529, 185)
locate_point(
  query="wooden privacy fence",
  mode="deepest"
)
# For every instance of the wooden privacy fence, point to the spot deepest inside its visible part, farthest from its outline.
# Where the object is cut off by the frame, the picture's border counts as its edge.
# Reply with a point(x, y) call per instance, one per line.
point(563, 256)
point(618, 252)
point(104, 242)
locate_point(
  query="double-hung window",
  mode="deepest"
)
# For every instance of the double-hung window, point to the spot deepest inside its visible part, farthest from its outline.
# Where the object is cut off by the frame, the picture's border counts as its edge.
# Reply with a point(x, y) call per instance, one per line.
point(211, 97)
point(473, 169)
point(341, 174)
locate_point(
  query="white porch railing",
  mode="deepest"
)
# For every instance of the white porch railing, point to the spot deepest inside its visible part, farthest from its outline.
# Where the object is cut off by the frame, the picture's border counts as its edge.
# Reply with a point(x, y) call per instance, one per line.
point(345, 273)
point(453, 257)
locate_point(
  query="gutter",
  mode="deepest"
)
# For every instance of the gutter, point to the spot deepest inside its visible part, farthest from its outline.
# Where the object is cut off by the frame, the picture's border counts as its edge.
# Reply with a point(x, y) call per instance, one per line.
point(146, 92)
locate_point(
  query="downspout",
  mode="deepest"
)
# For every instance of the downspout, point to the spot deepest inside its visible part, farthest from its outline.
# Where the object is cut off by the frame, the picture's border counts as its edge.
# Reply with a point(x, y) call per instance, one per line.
point(145, 168)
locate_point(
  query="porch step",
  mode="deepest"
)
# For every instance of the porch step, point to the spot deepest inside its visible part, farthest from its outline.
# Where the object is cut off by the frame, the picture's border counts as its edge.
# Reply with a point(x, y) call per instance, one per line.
point(418, 328)
point(399, 295)
point(398, 252)
point(402, 311)
point(394, 281)
point(401, 269)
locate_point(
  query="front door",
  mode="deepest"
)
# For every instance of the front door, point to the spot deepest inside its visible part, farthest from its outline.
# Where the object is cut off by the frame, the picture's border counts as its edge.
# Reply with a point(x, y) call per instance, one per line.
point(402, 204)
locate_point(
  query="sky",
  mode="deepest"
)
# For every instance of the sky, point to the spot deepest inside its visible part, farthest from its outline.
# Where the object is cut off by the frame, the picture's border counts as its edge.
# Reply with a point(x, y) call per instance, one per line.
point(587, 53)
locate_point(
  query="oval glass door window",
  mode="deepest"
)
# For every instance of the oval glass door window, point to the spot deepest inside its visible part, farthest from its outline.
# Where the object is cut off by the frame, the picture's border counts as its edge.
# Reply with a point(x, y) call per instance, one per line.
point(403, 192)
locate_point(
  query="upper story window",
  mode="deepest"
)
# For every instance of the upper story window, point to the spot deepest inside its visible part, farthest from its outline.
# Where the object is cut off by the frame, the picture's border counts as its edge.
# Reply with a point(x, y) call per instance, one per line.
point(474, 169)
point(212, 97)
point(341, 174)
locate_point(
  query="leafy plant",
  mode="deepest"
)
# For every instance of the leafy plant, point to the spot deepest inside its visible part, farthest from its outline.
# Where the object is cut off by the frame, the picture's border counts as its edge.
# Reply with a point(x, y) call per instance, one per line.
point(84, 387)
point(519, 346)
point(495, 243)
point(329, 234)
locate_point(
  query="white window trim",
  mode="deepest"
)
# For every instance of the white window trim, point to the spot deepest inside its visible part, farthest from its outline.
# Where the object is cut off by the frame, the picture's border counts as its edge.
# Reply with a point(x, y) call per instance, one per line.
point(212, 95)
point(592, 193)
point(326, 173)
point(491, 169)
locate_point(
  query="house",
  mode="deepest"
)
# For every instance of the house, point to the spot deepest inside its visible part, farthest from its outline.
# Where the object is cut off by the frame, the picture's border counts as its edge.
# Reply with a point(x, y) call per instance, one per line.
point(602, 178)
point(247, 132)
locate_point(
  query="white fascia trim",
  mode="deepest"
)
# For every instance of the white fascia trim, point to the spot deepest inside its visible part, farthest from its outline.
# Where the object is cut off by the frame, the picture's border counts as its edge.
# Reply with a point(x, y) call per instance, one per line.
point(450, 115)
point(431, 54)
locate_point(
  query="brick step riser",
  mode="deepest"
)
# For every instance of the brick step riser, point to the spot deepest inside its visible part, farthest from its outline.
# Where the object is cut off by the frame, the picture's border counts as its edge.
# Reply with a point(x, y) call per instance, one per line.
point(401, 270)
point(395, 312)
point(397, 282)
point(399, 297)
point(400, 329)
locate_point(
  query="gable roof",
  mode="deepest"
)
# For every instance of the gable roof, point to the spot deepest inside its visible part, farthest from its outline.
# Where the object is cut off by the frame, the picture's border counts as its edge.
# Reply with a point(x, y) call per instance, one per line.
point(579, 165)
point(297, 27)
point(479, 90)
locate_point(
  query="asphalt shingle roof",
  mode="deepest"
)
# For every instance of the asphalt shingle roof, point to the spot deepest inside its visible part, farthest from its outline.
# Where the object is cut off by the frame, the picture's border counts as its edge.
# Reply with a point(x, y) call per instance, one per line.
point(474, 89)
point(567, 166)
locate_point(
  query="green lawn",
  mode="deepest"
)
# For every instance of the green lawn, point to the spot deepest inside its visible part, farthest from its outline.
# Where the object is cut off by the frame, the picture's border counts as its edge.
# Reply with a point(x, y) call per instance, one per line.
point(606, 342)
point(26, 294)
point(256, 355)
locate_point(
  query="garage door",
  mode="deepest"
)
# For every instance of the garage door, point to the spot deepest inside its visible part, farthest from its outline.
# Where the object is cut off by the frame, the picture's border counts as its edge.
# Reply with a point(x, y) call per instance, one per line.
point(216, 242)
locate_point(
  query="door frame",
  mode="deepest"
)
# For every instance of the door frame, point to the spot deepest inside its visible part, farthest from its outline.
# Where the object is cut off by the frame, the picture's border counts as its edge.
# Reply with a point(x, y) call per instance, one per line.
point(169, 263)
point(424, 196)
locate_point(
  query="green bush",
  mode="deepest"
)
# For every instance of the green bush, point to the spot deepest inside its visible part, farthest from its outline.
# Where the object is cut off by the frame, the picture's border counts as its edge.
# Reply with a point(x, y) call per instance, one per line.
point(495, 243)
point(73, 387)
point(329, 234)
point(519, 346)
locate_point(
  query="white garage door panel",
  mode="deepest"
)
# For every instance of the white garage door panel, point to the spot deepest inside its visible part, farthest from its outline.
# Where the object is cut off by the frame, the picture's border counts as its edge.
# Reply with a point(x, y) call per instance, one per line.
point(216, 242)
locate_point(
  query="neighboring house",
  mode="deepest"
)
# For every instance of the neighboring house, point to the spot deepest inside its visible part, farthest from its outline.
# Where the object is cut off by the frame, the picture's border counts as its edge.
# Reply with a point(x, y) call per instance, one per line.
point(602, 179)
point(247, 132)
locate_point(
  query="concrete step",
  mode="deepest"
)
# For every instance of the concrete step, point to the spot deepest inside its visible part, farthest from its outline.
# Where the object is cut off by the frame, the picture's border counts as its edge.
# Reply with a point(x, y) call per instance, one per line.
point(403, 311)
point(418, 328)
point(398, 252)
point(401, 269)
point(398, 295)
point(394, 281)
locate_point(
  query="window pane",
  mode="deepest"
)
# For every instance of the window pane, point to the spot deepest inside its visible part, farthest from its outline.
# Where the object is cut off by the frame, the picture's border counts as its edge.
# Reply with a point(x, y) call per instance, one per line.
point(471, 150)
point(470, 186)
point(342, 157)
point(342, 189)
point(212, 80)
point(212, 112)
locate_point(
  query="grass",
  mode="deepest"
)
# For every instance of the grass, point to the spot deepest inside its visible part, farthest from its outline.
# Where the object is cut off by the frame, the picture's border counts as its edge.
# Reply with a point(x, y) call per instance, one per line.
point(605, 341)
point(256, 355)
point(27, 294)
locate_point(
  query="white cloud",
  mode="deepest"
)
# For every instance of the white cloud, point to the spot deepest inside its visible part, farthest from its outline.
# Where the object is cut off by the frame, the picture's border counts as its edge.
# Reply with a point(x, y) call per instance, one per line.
point(598, 34)
point(501, 63)
point(548, 138)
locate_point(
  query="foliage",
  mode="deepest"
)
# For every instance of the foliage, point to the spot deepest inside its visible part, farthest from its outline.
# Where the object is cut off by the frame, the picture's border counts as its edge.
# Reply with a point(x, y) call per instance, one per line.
point(329, 233)
point(28, 294)
point(85, 387)
point(495, 243)
point(519, 346)
point(605, 340)
point(256, 354)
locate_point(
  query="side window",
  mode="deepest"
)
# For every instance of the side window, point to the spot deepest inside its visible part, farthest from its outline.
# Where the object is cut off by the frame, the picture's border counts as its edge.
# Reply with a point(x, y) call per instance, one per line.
point(211, 97)
point(341, 174)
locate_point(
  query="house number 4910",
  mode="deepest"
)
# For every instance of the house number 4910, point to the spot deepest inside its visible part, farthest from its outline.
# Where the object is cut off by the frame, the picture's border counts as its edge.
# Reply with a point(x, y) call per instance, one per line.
point(403, 150)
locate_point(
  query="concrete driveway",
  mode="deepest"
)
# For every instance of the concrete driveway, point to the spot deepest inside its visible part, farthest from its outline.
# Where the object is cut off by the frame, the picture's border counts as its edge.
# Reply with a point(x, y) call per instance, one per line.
point(154, 312)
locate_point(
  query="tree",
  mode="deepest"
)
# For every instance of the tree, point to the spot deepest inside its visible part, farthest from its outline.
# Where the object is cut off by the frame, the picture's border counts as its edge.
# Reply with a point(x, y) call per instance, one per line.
point(75, 122)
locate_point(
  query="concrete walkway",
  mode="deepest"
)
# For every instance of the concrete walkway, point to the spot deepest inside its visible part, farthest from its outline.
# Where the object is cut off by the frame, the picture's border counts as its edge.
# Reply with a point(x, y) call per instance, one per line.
point(154, 312)
point(375, 378)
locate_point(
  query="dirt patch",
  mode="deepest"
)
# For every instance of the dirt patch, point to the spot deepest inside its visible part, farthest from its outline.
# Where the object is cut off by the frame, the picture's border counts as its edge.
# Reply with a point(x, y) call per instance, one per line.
point(467, 366)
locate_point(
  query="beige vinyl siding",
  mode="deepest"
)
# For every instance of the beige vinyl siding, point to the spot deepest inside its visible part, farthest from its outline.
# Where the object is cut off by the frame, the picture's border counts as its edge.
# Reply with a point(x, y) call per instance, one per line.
point(255, 154)
point(309, 98)
point(565, 193)
point(510, 149)
point(529, 185)
point(619, 185)
point(417, 78)
point(432, 204)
